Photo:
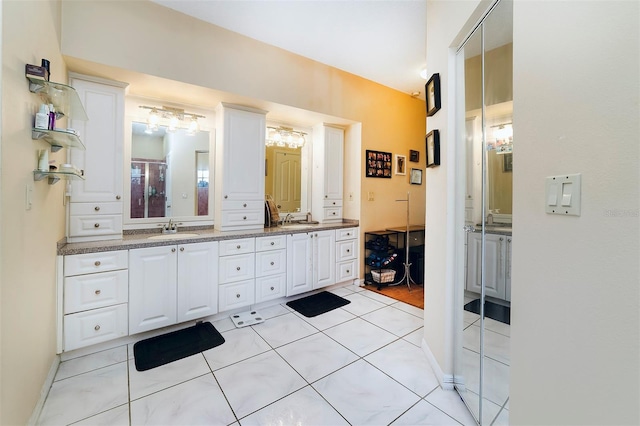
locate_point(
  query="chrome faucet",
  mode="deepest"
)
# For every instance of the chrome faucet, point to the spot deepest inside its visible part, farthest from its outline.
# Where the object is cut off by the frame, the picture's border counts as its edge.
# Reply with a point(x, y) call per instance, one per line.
point(287, 218)
point(170, 228)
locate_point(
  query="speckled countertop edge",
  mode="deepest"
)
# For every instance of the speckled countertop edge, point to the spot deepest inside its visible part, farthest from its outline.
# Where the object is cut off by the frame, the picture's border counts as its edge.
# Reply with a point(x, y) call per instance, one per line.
point(140, 238)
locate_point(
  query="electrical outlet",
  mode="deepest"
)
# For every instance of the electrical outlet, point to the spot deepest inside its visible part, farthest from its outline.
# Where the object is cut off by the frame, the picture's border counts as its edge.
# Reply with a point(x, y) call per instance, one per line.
point(370, 196)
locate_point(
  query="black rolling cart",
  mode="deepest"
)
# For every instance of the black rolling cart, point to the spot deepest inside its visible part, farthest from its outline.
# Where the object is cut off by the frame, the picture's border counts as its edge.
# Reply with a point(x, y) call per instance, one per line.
point(381, 257)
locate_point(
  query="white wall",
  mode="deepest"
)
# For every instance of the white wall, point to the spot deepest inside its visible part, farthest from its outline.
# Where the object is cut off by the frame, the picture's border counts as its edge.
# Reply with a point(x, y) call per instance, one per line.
point(575, 280)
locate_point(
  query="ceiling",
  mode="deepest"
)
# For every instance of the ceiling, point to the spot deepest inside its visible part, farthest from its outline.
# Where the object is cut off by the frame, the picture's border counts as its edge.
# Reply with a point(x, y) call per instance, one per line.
point(382, 40)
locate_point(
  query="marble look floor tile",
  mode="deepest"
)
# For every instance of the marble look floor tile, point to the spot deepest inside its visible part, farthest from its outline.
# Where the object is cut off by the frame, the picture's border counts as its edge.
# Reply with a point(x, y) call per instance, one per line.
point(502, 419)
point(469, 317)
point(258, 381)
point(496, 346)
point(142, 383)
point(378, 297)
point(240, 344)
point(329, 319)
point(394, 320)
point(118, 416)
point(273, 311)
point(364, 395)
point(284, 329)
point(450, 402)
point(89, 394)
point(497, 326)
point(304, 407)
point(406, 364)
point(316, 356)
point(87, 363)
point(496, 384)
point(424, 413)
point(360, 336)
point(342, 291)
point(489, 409)
point(196, 402)
point(224, 324)
point(409, 309)
point(415, 338)
point(361, 305)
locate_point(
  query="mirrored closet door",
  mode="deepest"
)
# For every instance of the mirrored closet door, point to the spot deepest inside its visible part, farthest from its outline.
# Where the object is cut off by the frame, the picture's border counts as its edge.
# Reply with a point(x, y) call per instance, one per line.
point(484, 88)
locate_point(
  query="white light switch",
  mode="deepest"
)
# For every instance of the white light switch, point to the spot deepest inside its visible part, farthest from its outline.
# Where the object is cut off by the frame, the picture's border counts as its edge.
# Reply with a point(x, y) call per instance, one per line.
point(566, 189)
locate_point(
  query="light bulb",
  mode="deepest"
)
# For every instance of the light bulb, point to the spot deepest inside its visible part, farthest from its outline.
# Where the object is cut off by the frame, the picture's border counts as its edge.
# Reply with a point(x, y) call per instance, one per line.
point(194, 127)
point(173, 124)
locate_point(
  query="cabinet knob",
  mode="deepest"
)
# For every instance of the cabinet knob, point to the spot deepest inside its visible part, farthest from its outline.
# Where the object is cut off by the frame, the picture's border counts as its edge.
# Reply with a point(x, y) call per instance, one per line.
point(348, 271)
point(238, 295)
point(348, 251)
point(348, 233)
point(273, 243)
point(238, 246)
point(118, 197)
point(173, 250)
point(238, 268)
point(226, 196)
point(97, 208)
point(334, 203)
point(96, 225)
point(181, 248)
point(97, 327)
point(509, 239)
point(326, 196)
point(97, 263)
point(272, 263)
point(244, 205)
point(244, 218)
point(334, 213)
point(501, 238)
point(97, 292)
point(316, 235)
point(272, 288)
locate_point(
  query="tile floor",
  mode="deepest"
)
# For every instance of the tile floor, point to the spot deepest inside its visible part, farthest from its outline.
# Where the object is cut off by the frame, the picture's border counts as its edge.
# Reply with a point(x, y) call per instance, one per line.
point(359, 365)
point(495, 410)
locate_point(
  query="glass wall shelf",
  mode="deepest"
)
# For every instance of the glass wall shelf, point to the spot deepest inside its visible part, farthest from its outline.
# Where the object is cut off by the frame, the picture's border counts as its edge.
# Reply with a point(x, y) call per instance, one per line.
point(58, 139)
point(64, 98)
point(54, 177)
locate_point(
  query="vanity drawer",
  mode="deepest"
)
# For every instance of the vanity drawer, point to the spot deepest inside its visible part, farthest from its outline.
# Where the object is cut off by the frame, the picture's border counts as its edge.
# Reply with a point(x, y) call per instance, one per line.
point(239, 246)
point(346, 271)
point(332, 203)
point(95, 262)
point(271, 263)
point(271, 243)
point(243, 217)
point(346, 250)
point(242, 205)
point(95, 326)
point(84, 209)
point(88, 225)
point(91, 291)
point(346, 234)
point(236, 268)
point(237, 295)
point(272, 287)
point(332, 213)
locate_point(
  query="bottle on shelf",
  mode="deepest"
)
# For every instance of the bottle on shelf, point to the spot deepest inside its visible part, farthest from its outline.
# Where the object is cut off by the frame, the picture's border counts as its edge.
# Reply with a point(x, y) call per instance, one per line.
point(42, 117)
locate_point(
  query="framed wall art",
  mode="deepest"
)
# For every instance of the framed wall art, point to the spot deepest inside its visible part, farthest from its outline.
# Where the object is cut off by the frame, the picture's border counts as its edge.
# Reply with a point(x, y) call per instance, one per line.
point(432, 90)
point(378, 164)
point(401, 164)
point(414, 156)
point(433, 148)
point(416, 176)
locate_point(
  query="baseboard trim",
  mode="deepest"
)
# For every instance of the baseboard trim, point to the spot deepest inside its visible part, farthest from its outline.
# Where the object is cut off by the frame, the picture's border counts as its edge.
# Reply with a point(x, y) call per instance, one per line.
point(446, 380)
point(44, 392)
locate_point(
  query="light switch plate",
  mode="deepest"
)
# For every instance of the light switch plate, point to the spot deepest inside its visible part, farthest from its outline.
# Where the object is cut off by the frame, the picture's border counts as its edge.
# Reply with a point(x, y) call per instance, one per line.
point(563, 194)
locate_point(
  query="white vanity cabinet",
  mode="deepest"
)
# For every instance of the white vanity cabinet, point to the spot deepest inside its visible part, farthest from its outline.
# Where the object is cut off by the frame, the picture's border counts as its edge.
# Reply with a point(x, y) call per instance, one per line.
point(327, 173)
point(239, 172)
point(497, 264)
point(236, 273)
point(310, 261)
point(271, 267)
point(95, 207)
point(94, 298)
point(172, 284)
point(347, 248)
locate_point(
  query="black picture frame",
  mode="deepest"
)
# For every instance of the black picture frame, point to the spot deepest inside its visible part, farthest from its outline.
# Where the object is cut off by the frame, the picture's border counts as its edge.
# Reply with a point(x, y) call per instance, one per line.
point(433, 148)
point(507, 162)
point(416, 177)
point(432, 94)
point(414, 156)
point(378, 164)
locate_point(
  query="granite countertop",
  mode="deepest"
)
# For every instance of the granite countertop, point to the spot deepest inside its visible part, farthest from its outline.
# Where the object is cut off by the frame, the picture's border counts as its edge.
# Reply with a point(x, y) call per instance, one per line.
point(140, 238)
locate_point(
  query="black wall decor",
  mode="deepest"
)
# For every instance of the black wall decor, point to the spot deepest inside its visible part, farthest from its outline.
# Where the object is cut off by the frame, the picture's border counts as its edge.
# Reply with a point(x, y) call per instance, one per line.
point(378, 164)
point(433, 148)
point(432, 91)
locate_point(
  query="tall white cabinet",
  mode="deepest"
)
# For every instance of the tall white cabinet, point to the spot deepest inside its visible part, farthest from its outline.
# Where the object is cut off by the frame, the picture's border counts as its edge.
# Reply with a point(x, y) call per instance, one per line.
point(327, 173)
point(95, 207)
point(311, 261)
point(239, 173)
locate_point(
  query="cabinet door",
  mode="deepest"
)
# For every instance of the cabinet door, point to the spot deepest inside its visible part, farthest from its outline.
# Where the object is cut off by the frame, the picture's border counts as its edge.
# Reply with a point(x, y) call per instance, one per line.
point(494, 264)
point(299, 263)
point(197, 280)
point(324, 258)
point(152, 288)
point(103, 136)
point(333, 158)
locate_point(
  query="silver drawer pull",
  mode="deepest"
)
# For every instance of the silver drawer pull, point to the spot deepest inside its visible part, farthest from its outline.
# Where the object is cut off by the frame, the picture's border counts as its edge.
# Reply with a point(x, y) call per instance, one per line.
point(348, 271)
point(96, 225)
point(272, 263)
point(272, 288)
point(226, 196)
point(272, 243)
point(98, 292)
point(334, 213)
point(348, 233)
point(348, 251)
point(244, 205)
point(118, 197)
point(97, 263)
point(238, 295)
point(238, 247)
point(97, 328)
point(97, 208)
point(181, 248)
point(238, 268)
point(244, 218)
point(334, 203)
point(173, 250)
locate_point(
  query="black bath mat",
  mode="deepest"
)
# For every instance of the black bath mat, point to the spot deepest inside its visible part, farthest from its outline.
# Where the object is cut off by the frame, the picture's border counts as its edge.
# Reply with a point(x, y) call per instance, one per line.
point(317, 304)
point(491, 310)
point(156, 351)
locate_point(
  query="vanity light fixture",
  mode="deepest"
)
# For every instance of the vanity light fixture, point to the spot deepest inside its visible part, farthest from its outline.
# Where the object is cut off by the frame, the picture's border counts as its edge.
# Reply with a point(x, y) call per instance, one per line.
point(175, 117)
point(285, 136)
point(503, 134)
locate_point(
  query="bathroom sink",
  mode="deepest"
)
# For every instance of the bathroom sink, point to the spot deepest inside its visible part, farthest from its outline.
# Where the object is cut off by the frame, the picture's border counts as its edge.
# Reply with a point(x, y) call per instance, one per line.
point(172, 236)
point(297, 226)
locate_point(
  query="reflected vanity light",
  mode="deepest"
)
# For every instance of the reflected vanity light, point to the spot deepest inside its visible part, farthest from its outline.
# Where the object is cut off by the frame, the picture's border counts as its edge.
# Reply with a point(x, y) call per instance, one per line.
point(175, 116)
point(503, 135)
point(285, 136)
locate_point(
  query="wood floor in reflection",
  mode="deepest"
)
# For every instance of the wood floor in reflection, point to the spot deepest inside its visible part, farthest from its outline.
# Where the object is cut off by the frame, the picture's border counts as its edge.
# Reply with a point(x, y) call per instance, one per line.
point(413, 296)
